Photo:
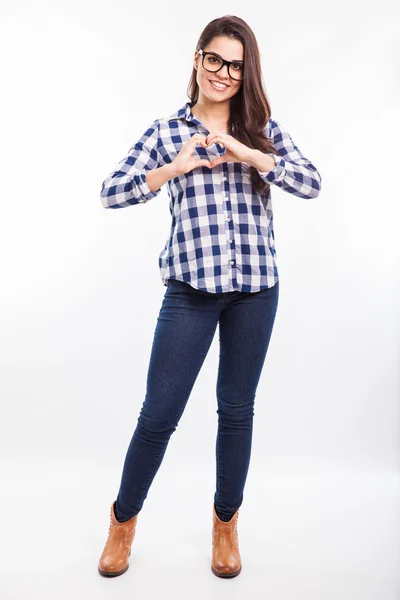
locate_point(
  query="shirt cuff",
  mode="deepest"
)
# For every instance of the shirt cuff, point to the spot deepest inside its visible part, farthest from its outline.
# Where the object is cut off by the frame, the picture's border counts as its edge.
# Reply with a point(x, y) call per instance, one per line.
point(145, 192)
point(277, 173)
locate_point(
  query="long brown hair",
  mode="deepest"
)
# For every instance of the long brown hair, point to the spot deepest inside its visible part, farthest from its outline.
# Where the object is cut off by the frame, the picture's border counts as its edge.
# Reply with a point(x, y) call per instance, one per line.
point(249, 108)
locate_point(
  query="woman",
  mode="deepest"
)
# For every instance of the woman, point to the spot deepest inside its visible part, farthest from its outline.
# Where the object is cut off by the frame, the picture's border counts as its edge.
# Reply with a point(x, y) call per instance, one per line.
point(218, 155)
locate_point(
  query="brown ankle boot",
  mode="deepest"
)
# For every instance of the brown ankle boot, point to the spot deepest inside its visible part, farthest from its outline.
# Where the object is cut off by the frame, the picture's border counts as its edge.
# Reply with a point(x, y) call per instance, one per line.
point(226, 560)
point(114, 560)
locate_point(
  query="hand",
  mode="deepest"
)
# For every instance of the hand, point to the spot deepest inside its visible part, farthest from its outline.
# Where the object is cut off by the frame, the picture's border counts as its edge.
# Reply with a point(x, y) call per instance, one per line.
point(185, 160)
point(235, 151)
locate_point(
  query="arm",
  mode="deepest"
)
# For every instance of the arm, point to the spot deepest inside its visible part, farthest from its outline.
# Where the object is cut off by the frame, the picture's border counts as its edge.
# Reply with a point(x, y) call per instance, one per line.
point(138, 177)
point(291, 170)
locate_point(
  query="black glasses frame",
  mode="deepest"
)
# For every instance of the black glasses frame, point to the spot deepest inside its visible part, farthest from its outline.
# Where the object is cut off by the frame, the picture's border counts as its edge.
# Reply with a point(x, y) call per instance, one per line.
point(228, 63)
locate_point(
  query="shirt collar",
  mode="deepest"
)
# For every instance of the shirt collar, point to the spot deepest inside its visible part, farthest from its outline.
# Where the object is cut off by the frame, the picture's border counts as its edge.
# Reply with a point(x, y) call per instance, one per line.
point(184, 112)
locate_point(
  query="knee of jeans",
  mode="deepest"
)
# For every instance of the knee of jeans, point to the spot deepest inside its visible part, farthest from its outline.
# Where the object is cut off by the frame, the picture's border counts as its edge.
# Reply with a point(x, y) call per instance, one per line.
point(236, 410)
point(156, 427)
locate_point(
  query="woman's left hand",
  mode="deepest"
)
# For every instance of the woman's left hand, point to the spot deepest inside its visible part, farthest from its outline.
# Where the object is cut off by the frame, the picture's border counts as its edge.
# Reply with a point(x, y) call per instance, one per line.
point(235, 150)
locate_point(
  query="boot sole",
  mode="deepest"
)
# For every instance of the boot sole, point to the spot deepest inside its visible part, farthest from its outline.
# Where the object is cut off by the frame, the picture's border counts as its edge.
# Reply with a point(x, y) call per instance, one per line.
point(232, 574)
point(114, 573)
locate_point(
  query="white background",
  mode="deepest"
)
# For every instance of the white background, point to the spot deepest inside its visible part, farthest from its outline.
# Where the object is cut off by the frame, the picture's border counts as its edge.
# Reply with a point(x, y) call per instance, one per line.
point(81, 292)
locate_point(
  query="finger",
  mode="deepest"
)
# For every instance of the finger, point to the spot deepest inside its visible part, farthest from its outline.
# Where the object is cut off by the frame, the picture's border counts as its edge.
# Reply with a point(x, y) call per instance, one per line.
point(211, 137)
point(198, 137)
point(217, 139)
point(199, 140)
point(216, 134)
point(202, 162)
point(217, 161)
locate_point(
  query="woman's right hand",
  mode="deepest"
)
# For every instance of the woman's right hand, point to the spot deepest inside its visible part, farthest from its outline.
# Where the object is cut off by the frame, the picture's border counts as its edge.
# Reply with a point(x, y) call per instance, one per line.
point(185, 161)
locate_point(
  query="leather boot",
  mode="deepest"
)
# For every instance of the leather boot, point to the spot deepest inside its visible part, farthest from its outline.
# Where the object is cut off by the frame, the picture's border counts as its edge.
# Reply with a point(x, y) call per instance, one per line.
point(226, 561)
point(114, 559)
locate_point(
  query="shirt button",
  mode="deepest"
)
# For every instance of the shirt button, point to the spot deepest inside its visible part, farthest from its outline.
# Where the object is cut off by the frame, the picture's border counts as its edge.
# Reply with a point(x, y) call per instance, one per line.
point(224, 179)
point(228, 219)
point(230, 241)
point(232, 261)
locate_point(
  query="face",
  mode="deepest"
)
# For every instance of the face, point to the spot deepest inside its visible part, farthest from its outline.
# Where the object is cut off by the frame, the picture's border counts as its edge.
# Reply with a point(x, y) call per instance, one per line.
point(228, 49)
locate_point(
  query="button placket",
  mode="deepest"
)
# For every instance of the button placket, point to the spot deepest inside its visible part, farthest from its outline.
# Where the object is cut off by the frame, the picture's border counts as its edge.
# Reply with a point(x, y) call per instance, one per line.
point(230, 229)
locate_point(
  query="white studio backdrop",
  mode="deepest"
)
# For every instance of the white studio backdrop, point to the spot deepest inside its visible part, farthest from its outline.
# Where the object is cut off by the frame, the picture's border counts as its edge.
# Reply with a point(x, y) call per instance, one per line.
point(81, 292)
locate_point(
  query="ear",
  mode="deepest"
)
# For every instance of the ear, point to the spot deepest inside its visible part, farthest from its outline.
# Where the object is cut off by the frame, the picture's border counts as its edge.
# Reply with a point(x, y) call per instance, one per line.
point(196, 60)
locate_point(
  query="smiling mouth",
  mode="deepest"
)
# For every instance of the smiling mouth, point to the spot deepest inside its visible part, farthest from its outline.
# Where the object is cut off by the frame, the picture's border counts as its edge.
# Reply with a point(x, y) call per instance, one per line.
point(221, 86)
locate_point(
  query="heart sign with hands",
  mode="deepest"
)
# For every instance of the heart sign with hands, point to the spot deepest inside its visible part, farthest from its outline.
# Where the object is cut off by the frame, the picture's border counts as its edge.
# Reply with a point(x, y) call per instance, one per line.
point(235, 152)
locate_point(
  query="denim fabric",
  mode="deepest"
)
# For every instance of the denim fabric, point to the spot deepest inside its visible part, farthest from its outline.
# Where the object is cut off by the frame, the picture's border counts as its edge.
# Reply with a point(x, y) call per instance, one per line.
point(185, 328)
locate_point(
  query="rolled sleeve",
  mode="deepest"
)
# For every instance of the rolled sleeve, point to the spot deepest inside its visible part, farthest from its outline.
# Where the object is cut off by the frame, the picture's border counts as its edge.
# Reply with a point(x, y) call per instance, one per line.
point(293, 172)
point(127, 184)
point(145, 192)
point(277, 173)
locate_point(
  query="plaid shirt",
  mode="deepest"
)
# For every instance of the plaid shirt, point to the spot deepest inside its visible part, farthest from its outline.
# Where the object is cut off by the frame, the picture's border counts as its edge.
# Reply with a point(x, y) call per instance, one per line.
point(221, 237)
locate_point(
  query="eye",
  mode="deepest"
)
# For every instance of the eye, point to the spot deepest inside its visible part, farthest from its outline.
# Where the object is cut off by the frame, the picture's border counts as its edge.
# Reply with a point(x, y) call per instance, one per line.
point(237, 66)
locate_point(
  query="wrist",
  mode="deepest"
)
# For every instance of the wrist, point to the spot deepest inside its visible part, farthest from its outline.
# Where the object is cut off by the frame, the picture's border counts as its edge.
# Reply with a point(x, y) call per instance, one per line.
point(252, 157)
point(261, 161)
point(171, 170)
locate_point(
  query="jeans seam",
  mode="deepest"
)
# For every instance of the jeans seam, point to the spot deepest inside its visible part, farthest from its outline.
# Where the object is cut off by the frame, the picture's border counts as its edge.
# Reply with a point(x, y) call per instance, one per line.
point(151, 472)
point(219, 466)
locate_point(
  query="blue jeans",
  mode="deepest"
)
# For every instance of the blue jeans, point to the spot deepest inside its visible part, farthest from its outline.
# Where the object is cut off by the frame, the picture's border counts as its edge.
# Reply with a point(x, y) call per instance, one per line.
point(185, 329)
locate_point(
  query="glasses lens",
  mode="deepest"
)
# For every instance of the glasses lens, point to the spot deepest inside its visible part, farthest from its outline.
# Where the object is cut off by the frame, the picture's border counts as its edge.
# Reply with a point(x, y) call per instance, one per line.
point(236, 71)
point(213, 63)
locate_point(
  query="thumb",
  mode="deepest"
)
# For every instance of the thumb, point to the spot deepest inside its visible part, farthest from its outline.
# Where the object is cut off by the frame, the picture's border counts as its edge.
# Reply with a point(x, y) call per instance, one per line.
point(218, 161)
point(204, 162)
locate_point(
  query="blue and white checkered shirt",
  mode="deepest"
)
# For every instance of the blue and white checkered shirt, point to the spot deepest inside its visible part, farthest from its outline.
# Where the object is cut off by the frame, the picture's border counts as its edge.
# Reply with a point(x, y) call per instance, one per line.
point(222, 236)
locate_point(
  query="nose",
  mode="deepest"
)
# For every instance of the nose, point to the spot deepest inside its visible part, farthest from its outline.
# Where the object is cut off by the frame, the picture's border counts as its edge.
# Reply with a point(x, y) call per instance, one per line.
point(223, 72)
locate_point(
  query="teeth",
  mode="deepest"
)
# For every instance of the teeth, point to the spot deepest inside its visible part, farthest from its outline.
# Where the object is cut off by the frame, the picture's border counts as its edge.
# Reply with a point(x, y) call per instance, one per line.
point(220, 85)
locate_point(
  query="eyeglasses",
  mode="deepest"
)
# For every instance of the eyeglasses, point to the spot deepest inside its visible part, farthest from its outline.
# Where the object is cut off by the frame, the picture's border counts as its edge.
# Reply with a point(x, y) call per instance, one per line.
point(212, 62)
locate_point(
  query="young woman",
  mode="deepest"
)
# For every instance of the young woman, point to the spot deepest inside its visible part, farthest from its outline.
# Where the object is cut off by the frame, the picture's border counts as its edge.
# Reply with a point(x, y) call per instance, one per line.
point(218, 155)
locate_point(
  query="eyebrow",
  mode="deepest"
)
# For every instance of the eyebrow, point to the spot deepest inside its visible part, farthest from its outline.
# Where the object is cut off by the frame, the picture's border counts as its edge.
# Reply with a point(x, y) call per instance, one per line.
point(219, 56)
